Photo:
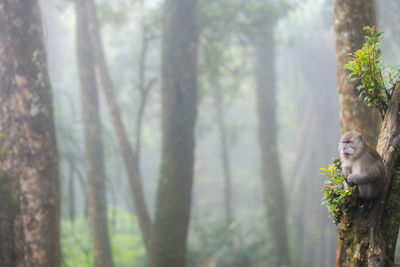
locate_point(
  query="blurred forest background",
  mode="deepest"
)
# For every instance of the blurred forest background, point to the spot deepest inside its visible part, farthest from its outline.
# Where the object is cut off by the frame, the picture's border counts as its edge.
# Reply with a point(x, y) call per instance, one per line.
point(242, 46)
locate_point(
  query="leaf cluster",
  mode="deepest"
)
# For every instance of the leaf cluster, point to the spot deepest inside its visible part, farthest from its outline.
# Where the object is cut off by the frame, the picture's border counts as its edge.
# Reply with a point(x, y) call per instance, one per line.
point(377, 80)
point(334, 192)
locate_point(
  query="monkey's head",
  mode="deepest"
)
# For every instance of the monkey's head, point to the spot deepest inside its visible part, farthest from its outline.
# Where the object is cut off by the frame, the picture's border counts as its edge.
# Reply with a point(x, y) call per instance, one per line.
point(351, 145)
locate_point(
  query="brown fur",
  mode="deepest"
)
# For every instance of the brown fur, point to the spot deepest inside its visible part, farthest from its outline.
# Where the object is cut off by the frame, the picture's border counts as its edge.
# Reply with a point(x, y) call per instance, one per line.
point(361, 165)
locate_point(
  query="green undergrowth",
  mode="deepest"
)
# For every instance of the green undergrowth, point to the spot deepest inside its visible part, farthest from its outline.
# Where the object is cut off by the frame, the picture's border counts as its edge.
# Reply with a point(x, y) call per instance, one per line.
point(125, 238)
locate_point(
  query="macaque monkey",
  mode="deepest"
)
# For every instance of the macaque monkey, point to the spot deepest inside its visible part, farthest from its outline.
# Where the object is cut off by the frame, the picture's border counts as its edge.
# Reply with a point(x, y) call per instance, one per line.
point(361, 165)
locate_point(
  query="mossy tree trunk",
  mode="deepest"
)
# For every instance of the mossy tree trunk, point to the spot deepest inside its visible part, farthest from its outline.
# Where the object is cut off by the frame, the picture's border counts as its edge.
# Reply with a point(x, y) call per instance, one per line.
point(30, 212)
point(369, 238)
point(350, 16)
point(94, 158)
point(274, 191)
point(179, 110)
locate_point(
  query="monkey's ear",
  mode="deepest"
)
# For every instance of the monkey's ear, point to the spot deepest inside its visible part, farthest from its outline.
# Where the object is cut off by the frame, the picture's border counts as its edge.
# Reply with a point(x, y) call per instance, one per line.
point(361, 137)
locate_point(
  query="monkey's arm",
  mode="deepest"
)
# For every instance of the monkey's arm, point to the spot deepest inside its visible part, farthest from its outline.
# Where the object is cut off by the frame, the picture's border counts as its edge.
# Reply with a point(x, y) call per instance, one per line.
point(372, 174)
point(346, 171)
point(358, 178)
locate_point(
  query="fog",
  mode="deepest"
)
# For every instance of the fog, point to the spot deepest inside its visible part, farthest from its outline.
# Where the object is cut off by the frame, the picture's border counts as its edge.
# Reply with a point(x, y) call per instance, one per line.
point(308, 130)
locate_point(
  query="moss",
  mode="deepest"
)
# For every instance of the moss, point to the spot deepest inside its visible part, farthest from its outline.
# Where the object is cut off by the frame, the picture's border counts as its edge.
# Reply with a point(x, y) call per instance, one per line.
point(356, 238)
point(391, 218)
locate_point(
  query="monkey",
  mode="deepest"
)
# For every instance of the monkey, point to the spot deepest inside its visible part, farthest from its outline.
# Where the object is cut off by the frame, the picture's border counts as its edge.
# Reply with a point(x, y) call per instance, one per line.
point(361, 165)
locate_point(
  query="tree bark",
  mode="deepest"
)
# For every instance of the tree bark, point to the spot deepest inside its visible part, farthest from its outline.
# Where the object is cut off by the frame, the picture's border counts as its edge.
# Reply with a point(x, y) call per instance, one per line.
point(129, 156)
point(388, 147)
point(94, 158)
point(179, 110)
point(350, 16)
point(29, 165)
point(274, 191)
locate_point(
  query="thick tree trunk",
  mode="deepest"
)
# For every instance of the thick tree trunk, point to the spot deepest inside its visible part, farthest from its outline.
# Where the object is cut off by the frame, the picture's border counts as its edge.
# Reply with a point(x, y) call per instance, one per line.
point(388, 147)
point(350, 16)
point(29, 164)
point(94, 159)
point(179, 110)
point(371, 239)
point(128, 154)
point(274, 191)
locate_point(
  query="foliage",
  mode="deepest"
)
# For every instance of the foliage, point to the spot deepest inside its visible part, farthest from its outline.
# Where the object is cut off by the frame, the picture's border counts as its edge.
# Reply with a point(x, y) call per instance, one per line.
point(75, 242)
point(335, 194)
point(377, 80)
point(226, 246)
point(115, 12)
point(127, 247)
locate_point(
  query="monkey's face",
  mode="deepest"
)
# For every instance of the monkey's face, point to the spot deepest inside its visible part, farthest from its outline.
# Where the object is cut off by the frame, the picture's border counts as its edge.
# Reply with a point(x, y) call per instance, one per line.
point(351, 145)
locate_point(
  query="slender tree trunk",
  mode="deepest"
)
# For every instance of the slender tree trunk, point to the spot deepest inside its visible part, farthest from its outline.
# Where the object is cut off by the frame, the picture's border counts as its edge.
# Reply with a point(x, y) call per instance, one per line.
point(219, 106)
point(274, 191)
point(143, 85)
point(94, 158)
point(217, 95)
point(340, 258)
point(350, 16)
point(71, 191)
point(179, 109)
point(128, 154)
point(29, 164)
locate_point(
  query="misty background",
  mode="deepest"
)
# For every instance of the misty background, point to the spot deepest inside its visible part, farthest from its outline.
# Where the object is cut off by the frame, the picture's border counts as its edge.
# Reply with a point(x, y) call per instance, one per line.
point(308, 129)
